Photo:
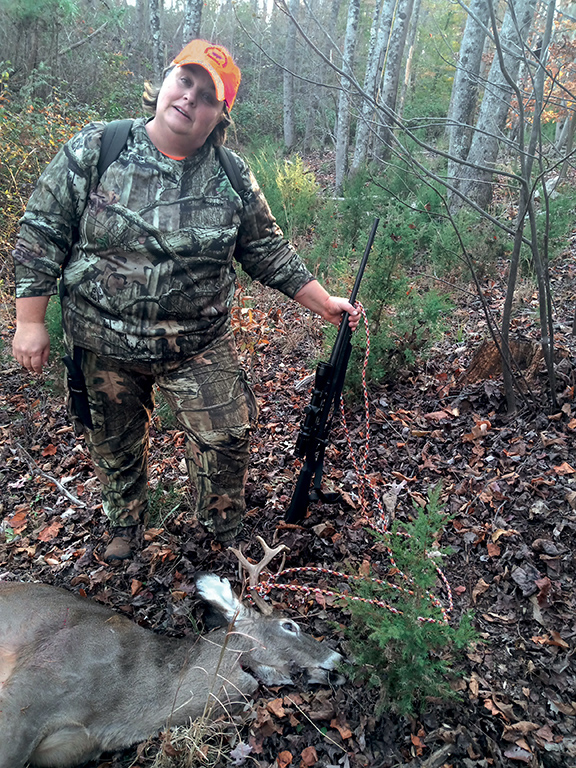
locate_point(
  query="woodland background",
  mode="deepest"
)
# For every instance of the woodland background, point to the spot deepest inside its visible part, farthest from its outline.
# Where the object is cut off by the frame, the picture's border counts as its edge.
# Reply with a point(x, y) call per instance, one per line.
point(454, 124)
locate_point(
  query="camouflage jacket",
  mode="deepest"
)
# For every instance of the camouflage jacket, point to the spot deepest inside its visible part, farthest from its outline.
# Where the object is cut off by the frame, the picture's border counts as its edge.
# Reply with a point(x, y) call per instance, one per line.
point(150, 274)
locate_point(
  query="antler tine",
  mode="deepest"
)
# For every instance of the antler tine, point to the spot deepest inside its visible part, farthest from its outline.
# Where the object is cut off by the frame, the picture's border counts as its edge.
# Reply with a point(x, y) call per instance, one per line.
point(255, 569)
point(270, 553)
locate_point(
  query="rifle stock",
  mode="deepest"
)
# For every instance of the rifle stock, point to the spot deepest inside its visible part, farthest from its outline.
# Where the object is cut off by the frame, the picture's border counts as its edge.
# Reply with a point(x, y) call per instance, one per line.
point(325, 400)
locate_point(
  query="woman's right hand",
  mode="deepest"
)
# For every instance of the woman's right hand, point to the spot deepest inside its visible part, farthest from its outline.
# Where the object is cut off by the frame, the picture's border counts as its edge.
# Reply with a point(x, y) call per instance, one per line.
point(31, 346)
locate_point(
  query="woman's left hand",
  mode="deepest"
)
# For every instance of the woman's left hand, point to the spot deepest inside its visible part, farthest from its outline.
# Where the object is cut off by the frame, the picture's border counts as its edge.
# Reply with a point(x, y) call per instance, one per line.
point(335, 307)
point(331, 308)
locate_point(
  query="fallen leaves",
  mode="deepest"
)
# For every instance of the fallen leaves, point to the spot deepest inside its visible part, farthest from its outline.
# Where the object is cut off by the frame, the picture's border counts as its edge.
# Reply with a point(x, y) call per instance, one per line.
point(552, 639)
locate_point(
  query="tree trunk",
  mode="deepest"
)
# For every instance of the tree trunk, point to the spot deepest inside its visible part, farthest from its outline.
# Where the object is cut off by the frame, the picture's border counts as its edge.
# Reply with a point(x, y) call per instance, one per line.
point(391, 79)
point(379, 34)
point(289, 64)
point(154, 10)
point(192, 20)
point(465, 87)
point(491, 122)
point(343, 124)
point(411, 44)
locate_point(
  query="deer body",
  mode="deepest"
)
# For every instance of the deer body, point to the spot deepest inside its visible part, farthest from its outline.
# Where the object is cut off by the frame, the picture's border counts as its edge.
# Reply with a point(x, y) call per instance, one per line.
point(77, 679)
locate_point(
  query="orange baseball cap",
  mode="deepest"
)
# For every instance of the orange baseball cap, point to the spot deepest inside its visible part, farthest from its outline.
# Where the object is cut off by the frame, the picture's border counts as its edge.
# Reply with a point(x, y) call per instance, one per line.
point(219, 64)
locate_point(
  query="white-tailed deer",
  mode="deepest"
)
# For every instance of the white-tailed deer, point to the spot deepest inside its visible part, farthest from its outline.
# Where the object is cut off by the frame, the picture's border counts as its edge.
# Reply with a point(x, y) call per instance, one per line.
point(77, 679)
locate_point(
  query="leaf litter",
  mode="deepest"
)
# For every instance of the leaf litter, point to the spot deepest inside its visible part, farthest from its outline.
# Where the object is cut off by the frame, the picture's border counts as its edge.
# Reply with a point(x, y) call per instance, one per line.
point(508, 482)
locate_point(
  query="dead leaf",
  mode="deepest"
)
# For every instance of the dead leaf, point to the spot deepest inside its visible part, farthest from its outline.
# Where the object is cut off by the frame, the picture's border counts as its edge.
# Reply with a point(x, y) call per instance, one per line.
point(275, 706)
point(364, 569)
point(50, 450)
point(479, 589)
point(505, 711)
point(564, 469)
point(544, 735)
point(521, 728)
point(135, 587)
point(560, 706)
point(308, 757)
point(50, 531)
point(517, 753)
point(502, 532)
point(418, 742)
point(554, 640)
point(19, 521)
point(438, 415)
point(343, 730)
point(284, 759)
point(493, 549)
point(557, 640)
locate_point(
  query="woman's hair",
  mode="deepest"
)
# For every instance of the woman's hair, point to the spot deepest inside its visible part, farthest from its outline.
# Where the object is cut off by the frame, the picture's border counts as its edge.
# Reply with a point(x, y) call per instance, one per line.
point(150, 102)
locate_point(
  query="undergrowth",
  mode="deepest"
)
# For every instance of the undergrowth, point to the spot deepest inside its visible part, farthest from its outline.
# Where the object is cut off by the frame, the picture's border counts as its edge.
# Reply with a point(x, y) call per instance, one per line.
point(409, 654)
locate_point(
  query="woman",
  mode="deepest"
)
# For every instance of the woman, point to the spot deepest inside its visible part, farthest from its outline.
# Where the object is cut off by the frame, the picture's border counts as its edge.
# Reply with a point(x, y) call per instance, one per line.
point(148, 282)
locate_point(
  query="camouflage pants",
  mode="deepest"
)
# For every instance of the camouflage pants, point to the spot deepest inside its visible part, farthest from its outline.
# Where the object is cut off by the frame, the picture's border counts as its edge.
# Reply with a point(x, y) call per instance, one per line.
point(212, 403)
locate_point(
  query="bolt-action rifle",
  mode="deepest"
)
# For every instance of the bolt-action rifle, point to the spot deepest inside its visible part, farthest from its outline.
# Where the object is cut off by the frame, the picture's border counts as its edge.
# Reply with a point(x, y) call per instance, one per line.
point(319, 414)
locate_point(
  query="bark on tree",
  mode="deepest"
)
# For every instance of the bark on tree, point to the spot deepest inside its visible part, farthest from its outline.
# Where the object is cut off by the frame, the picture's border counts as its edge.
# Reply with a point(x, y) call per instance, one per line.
point(465, 87)
point(288, 84)
point(343, 125)
point(154, 10)
point(410, 45)
point(491, 124)
point(391, 79)
point(379, 34)
point(192, 20)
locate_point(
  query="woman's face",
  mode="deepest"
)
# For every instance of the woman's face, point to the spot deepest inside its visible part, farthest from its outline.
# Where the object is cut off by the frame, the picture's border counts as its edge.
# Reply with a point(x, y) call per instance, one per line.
point(187, 110)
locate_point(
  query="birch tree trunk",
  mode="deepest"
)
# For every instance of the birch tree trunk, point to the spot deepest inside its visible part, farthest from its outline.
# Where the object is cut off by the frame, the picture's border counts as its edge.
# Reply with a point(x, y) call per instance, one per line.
point(343, 125)
point(379, 34)
point(491, 123)
point(465, 87)
point(289, 63)
point(411, 44)
point(192, 20)
point(154, 9)
point(392, 71)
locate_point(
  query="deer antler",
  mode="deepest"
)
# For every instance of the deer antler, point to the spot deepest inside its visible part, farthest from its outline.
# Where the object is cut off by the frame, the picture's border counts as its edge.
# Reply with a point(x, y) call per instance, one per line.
point(255, 569)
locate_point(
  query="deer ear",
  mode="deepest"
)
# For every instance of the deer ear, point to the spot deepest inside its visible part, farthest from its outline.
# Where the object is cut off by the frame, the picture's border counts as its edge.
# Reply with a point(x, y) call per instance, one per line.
point(218, 593)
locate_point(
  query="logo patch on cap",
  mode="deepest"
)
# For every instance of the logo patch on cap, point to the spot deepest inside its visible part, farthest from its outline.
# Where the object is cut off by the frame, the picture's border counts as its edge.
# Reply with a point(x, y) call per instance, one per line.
point(218, 56)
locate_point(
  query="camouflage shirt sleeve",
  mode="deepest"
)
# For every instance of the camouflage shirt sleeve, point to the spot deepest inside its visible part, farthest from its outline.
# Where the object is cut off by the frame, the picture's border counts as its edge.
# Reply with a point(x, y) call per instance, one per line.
point(49, 225)
point(261, 247)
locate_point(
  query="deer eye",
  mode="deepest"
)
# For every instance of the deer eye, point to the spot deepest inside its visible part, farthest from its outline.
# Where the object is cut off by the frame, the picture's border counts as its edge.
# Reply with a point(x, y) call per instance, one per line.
point(290, 626)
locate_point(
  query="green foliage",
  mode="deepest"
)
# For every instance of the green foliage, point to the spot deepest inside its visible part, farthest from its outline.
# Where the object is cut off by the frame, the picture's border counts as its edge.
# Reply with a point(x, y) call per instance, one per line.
point(290, 188)
point(254, 121)
point(120, 93)
point(406, 659)
point(26, 11)
point(53, 323)
point(163, 502)
point(561, 218)
point(404, 313)
point(32, 132)
point(484, 242)
point(163, 414)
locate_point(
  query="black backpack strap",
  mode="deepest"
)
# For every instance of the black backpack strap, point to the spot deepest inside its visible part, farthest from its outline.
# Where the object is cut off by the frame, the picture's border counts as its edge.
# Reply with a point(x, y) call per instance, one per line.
point(114, 137)
point(230, 164)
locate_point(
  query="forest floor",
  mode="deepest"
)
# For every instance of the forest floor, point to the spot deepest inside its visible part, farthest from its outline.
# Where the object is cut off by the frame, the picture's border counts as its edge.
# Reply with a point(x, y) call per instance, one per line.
point(509, 484)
